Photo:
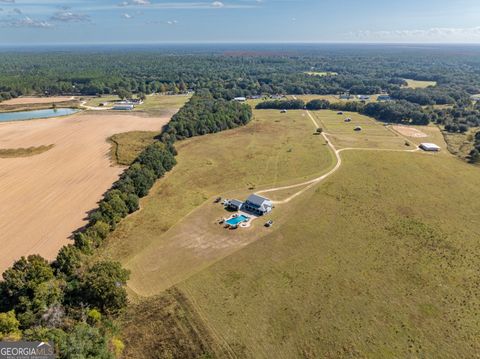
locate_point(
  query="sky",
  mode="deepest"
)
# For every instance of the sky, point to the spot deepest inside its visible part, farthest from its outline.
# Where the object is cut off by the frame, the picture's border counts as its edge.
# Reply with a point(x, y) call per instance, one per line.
point(26, 22)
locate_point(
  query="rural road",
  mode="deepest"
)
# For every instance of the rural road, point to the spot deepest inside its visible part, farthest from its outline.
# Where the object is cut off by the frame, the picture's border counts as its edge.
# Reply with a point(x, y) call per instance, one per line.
point(309, 184)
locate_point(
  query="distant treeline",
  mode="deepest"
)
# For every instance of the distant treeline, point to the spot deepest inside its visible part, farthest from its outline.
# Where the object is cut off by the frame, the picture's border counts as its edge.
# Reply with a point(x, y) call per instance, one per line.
point(74, 300)
point(227, 77)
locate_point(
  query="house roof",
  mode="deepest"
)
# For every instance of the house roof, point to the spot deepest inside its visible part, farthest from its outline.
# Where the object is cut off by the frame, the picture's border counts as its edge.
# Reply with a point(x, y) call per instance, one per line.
point(430, 146)
point(236, 202)
point(257, 200)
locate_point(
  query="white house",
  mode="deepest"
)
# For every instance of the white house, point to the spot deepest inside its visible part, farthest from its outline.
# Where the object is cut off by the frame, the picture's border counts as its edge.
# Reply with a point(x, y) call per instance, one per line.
point(258, 205)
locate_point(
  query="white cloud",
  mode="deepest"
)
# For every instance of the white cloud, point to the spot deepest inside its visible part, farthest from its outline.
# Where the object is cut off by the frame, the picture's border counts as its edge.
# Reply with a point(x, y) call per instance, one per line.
point(69, 16)
point(29, 22)
point(218, 4)
point(127, 16)
point(8, 1)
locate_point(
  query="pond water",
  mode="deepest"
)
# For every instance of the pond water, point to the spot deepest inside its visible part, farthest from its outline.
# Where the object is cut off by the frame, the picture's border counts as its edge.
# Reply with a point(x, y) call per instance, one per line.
point(36, 114)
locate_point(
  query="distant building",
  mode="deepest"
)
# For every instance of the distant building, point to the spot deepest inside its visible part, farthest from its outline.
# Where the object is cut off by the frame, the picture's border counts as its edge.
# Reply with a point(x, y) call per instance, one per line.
point(429, 147)
point(475, 97)
point(345, 96)
point(123, 107)
point(363, 97)
point(258, 205)
point(283, 111)
point(240, 99)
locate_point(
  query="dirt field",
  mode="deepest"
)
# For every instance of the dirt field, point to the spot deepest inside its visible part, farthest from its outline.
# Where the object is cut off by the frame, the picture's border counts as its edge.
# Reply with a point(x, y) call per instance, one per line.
point(45, 197)
point(409, 131)
point(31, 100)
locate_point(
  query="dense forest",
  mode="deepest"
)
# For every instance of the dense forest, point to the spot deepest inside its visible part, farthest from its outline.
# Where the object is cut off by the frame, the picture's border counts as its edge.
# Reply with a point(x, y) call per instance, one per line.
point(74, 300)
point(229, 73)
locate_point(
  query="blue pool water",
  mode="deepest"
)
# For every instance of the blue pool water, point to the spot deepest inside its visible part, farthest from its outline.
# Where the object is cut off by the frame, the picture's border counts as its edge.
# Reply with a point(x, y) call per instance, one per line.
point(30, 115)
point(235, 221)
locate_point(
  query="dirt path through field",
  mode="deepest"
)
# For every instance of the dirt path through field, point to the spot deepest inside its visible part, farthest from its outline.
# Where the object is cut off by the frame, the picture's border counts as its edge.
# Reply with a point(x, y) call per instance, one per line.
point(44, 198)
point(313, 182)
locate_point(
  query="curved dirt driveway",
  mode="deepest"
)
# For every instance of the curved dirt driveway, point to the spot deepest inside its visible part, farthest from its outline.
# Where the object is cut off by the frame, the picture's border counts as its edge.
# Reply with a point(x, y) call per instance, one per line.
point(45, 197)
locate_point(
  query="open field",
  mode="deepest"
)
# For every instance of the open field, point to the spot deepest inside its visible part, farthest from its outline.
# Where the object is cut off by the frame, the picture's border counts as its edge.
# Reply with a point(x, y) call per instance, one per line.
point(23, 152)
point(96, 101)
point(321, 74)
point(128, 145)
point(332, 98)
point(45, 197)
point(28, 100)
point(377, 261)
point(373, 135)
point(362, 265)
point(162, 246)
point(416, 84)
point(159, 104)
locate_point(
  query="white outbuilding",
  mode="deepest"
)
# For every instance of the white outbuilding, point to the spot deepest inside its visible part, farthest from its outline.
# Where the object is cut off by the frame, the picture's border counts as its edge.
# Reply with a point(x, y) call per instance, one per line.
point(430, 147)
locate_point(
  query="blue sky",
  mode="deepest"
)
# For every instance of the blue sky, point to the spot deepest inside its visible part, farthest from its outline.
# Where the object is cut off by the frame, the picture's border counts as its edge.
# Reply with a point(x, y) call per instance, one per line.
point(157, 21)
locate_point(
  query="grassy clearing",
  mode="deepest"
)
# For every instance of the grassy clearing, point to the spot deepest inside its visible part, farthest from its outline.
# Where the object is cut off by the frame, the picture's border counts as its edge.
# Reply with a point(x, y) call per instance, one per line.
point(332, 98)
point(376, 262)
point(23, 152)
point(320, 74)
point(274, 149)
point(416, 84)
point(160, 105)
point(373, 135)
point(96, 101)
point(127, 146)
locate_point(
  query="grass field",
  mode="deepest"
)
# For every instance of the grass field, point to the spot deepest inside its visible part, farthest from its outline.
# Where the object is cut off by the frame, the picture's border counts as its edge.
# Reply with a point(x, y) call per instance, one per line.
point(416, 84)
point(23, 152)
point(273, 149)
point(127, 146)
point(373, 135)
point(379, 260)
point(156, 105)
point(96, 101)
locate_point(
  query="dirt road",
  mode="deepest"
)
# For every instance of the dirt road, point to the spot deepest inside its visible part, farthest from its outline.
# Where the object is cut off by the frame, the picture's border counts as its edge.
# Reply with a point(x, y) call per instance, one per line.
point(313, 182)
point(45, 197)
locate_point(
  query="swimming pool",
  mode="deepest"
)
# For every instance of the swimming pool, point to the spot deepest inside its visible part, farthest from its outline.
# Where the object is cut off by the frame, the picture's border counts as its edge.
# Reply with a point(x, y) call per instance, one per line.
point(237, 220)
